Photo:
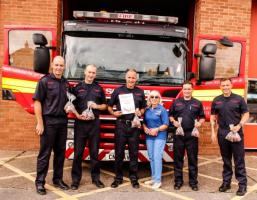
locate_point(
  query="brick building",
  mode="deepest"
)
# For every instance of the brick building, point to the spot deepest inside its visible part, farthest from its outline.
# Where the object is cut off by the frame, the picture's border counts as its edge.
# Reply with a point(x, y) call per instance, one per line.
point(214, 17)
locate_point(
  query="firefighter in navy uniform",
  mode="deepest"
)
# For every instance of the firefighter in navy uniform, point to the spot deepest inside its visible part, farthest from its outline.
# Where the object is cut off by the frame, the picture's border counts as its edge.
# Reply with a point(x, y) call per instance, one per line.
point(189, 109)
point(124, 133)
point(226, 109)
point(49, 101)
point(87, 130)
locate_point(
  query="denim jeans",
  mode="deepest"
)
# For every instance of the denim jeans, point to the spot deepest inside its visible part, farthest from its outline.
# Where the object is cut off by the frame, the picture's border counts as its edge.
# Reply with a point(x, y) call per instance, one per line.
point(155, 148)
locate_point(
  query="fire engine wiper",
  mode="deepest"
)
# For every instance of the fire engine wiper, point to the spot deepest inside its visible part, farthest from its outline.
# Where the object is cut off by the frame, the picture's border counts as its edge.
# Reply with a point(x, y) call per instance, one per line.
point(110, 80)
point(160, 80)
point(149, 82)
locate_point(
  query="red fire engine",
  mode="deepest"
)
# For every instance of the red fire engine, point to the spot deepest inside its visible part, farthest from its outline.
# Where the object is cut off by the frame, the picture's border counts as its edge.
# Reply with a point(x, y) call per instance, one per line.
point(154, 45)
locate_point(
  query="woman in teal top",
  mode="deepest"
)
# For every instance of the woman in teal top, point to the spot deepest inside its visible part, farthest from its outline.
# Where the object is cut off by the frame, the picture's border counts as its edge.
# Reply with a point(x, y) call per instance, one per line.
point(155, 126)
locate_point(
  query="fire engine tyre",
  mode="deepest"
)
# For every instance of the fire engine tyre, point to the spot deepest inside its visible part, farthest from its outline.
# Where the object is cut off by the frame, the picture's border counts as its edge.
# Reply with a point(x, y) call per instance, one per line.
point(41, 60)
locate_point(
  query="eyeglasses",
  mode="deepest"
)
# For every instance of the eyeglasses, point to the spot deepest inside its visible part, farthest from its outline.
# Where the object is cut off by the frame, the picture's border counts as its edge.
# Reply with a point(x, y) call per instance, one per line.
point(154, 97)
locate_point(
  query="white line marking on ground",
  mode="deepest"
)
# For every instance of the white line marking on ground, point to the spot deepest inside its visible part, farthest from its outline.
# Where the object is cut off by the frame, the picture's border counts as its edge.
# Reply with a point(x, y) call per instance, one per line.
point(99, 190)
point(167, 173)
point(210, 159)
point(9, 177)
point(220, 161)
point(30, 173)
point(66, 196)
point(185, 169)
point(19, 157)
point(250, 168)
point(211, 177)
point(253, 156)
point(107, 172)
point(250, 189)
point(142, 180)
point(31, 178)
point(95, 191)
point(173, 194)
point(200, 164)
point(203, 158)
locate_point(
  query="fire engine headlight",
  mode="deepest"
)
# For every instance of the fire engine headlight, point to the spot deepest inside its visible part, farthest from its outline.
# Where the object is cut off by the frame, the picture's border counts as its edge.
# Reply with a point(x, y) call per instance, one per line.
point(7, 95)
point(171, 132)
point(70, 133)
point(70, 145)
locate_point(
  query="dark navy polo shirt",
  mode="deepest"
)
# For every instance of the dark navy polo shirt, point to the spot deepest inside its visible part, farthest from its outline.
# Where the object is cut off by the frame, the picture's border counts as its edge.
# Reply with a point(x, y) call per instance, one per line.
point(88, 92)
point(52, 93)
point(228, 109)
point(138, 95)
point(189, 110)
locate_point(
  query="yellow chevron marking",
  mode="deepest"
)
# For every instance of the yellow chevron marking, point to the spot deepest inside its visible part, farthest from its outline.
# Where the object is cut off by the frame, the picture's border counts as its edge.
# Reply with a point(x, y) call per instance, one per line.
point(24, 86)
point(209, 95)
point(19, 85)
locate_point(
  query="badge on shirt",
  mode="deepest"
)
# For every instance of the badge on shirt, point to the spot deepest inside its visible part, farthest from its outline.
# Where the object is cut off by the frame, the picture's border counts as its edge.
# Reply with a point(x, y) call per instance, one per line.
point(127, 104)
point(158, 112)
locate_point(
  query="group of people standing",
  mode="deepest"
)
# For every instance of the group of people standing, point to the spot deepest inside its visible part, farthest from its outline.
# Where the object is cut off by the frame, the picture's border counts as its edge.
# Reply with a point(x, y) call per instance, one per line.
point(185, 114)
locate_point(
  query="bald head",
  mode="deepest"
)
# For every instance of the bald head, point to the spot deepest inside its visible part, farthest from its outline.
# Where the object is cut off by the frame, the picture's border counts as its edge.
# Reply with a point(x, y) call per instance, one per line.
point(58, 66)
point(90, 73)
point(58, 59)
point(90, 66)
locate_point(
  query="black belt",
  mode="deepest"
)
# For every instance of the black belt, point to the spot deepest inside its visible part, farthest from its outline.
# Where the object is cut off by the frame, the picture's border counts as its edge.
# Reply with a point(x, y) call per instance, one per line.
point(125, 121)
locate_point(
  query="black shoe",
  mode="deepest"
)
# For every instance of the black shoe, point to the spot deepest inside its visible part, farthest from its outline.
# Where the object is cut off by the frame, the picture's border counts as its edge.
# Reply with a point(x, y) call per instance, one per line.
point(135, 184)
point(224, 187)
point(41, 189)
point(60, 184)
point(116, 183)
point(177, 186)
point(194, 187)
point(98, 183)
point(74, 186)
point(241, 191)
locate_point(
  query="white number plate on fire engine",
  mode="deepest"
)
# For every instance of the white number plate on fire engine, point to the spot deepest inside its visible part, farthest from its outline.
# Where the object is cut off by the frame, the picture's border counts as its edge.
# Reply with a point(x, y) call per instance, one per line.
point(111, 156)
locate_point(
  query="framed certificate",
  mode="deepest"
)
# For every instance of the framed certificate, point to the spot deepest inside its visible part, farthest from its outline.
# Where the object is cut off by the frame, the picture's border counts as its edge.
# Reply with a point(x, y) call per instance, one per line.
point(127, 104)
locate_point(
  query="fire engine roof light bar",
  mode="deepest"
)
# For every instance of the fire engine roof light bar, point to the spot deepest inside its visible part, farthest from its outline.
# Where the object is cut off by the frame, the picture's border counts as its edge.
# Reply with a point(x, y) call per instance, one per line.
point(125, 16)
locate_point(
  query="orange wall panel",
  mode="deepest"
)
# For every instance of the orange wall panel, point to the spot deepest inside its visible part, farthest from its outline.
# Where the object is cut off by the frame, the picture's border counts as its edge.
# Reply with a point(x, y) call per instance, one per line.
point(250, 136)
point(252, 71)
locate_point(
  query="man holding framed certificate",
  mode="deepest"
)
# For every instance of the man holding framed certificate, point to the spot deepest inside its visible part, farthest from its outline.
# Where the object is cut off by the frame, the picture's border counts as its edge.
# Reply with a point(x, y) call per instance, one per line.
point(129, 101)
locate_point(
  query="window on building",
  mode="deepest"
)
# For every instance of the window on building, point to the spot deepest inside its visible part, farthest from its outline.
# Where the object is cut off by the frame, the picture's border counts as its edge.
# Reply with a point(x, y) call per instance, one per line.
point(21, 47)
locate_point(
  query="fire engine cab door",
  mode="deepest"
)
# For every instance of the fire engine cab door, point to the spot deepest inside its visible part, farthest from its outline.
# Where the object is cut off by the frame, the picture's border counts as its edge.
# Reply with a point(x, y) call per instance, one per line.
point(227, 61)
point(18, 78)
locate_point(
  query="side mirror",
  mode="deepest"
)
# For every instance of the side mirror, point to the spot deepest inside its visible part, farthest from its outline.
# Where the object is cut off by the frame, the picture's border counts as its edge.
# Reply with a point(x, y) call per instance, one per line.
point(177, 50)
point(207, 64)
point(226, 42)
point(41, 54)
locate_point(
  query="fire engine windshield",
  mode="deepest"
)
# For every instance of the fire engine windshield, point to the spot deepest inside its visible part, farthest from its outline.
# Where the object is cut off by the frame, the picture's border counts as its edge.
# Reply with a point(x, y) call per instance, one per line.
point(155, 61)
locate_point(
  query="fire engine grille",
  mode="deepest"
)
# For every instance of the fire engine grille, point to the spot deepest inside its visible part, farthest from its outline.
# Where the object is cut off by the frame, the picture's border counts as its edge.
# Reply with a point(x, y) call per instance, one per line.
point(107, 131)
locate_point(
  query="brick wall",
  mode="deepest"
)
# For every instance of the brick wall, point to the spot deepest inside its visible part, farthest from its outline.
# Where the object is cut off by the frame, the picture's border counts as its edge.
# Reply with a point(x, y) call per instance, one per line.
point(17, 126)
point(224, 17)
point(221, 17)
